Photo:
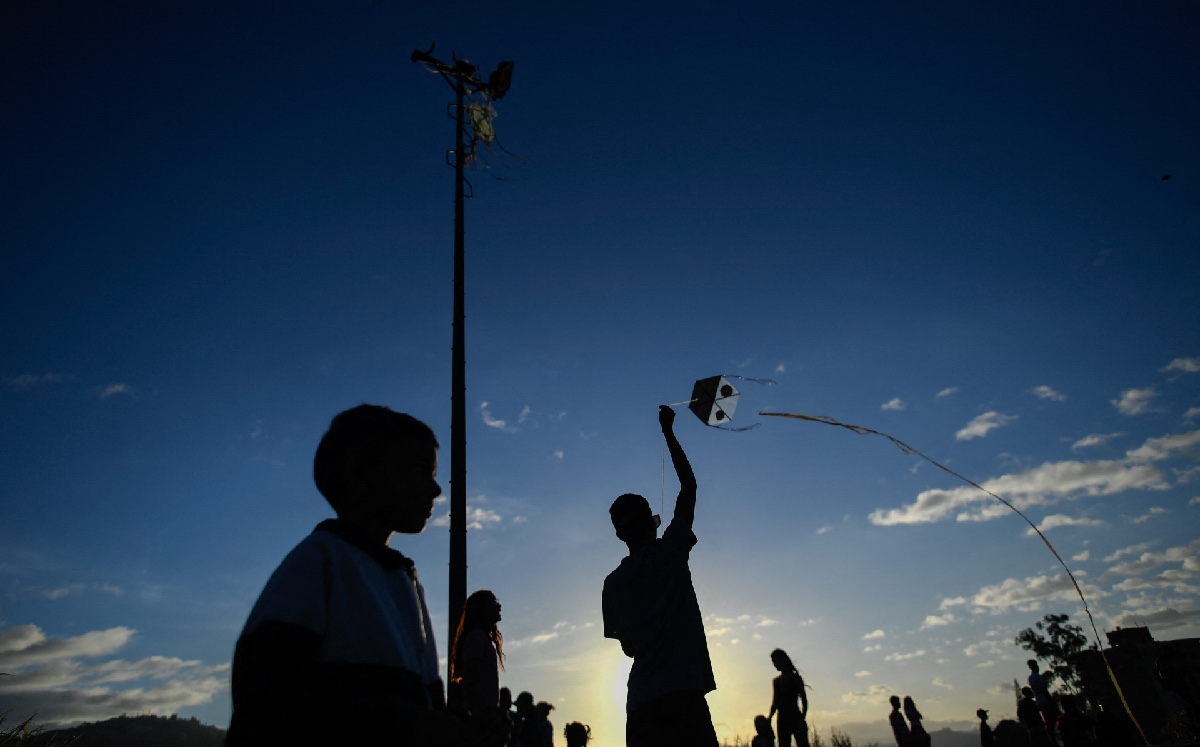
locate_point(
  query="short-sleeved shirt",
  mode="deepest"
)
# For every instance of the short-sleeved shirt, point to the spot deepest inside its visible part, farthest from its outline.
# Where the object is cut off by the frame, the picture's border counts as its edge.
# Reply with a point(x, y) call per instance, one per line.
point(650, 606)
point(1041, 693)
point(356, 613)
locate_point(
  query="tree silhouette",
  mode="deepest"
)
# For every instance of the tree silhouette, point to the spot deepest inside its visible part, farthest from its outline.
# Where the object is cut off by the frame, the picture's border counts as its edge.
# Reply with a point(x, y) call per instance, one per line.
point(1055, 640)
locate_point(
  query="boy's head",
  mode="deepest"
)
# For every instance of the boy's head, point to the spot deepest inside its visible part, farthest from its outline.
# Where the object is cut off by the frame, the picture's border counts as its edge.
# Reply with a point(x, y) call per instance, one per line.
point(762, 724)
point(895, 701)
point(633, 520)
point(378, 465)
point(577, 734)
point(1032, 664)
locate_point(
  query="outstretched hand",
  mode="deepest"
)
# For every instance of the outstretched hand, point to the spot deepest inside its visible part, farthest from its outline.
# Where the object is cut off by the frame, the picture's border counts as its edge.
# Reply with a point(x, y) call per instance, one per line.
point(666, 418)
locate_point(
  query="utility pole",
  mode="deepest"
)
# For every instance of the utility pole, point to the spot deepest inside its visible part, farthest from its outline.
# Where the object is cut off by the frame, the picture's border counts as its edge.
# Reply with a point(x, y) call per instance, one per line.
point(461, 76)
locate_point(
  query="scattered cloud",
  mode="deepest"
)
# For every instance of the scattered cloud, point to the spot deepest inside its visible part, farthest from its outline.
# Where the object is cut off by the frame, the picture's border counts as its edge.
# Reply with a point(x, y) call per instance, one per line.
point(1183, 365)
point(559, 454)
point(113, 390)
point(1191, 414)
point(983, 424)
point(1082, 556)
point(876, 647)
point(1195, 501)
point(1048, 483)
point(937, 621)
point(1184, 554)
point(1028, 594)
point(490, 421)
point(825, 529)
point(873, 695)
point(1095, 439)
point(525, 413)
point(862, 673)
point(893, 404)
point(905, 657)
point(1135, 401)
point(874, 634)
point(1154, 511)
point(781, 368)
point(941, 682)
point(1054, 521)
point(947, 391)
point(1045, 392)
point(55, 679)
point(25, 382)
point(1158, 449)
point(478, 517)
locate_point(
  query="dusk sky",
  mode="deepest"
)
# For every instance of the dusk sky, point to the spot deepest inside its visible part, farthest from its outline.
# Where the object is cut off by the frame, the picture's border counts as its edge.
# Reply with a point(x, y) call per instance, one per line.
point(972, 226)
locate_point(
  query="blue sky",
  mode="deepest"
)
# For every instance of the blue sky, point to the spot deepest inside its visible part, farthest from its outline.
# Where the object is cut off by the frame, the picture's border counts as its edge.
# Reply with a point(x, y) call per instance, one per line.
point(950, 224)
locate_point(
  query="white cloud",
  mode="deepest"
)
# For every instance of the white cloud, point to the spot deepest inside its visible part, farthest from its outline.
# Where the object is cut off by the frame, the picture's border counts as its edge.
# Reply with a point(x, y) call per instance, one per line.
point(893, 404)
point(876, 647)
point(24, 382)
point(1054, 521)
point(1154, 511)
point(1135, 401)
point(559, 454)
point(983, 424)
point(952, 602)
point(937, 621)
point(873, 695)
point(1191, 414)
point(1130, 550)
point(490, 421)
point(947, 391)
point(1027, 594)
point(780, 368)
point(1183, 365)
point(1095, 439)
point(1184, 554)
point(905, 657)
point(941, 682)
point(1158, 449)
point(1045, 392)
point(862, 673)
point(1082, 556)
point(825, 529)
point(1041, 485)
point(113, 390)
point(874, 634)
point(525, 413)
point(1195, 501)
point(51, 680)
point(478, 518)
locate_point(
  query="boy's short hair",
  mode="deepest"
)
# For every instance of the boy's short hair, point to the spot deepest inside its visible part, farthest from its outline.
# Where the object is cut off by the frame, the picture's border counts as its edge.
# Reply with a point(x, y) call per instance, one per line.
point(357, 441)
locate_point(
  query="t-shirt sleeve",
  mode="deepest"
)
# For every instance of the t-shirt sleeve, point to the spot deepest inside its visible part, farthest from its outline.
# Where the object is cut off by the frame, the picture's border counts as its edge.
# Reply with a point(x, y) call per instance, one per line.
point(678, 539)
point(297, 592)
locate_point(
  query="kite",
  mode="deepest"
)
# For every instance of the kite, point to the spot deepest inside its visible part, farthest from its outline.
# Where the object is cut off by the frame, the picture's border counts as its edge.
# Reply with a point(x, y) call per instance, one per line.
point(715, 399)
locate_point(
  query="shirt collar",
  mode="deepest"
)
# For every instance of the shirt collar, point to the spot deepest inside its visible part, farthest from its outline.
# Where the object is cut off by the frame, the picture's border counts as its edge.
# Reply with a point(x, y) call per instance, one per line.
point(389, 559)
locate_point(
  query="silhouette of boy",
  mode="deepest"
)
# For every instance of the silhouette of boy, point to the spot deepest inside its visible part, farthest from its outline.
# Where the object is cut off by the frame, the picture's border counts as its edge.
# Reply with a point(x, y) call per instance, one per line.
point(1039, 683)
point(650, 606)
point(339, 648)
point(898, 724)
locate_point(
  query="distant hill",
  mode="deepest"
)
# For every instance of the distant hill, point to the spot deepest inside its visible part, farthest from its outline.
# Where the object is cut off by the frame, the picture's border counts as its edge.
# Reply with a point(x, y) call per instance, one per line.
point(136, 731)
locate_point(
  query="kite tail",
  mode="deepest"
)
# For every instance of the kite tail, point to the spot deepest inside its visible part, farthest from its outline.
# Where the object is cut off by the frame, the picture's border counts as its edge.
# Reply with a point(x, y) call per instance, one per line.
point(911, 451)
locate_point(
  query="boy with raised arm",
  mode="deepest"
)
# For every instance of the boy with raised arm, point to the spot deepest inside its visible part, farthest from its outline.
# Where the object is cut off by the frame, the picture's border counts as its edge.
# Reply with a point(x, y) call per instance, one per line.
point(650, 606)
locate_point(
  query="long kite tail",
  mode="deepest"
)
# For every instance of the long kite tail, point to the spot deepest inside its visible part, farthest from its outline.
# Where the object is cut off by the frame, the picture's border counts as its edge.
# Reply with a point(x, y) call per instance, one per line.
point(910, 450)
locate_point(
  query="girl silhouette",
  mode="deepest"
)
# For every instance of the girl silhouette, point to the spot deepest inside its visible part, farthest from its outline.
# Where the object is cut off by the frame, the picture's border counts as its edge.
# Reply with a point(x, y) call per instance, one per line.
point(788, 688)
point(478, 655)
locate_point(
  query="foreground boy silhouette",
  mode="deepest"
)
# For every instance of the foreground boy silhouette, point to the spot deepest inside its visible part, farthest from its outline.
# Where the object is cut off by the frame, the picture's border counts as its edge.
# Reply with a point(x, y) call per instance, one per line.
point(339, 648)
point(650, 606)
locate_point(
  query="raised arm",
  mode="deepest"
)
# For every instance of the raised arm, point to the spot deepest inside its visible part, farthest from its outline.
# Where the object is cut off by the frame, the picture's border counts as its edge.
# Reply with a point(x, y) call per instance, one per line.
point(685, 504)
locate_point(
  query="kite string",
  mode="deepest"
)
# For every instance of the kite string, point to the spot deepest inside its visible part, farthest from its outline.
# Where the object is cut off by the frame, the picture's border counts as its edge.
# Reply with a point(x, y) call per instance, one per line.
point(911, 451)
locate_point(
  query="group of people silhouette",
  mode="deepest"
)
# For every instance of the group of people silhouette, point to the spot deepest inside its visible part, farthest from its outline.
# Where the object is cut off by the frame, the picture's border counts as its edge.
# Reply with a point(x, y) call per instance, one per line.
point(339, 647)
point(912, 733)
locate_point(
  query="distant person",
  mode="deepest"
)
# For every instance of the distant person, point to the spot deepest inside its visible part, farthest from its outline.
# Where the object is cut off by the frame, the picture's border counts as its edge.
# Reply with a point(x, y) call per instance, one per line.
point(477, 655)
point(788, 688)
point(986, 738)
point(1040, 683)
point(577, 734)
point(899, 726)
point(764, 736)
point(543, 730)
point(1009, 733)
point(1030, 716)
point(524, 727)
point(339, 647)
point(919, 738)
point(650, 606)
